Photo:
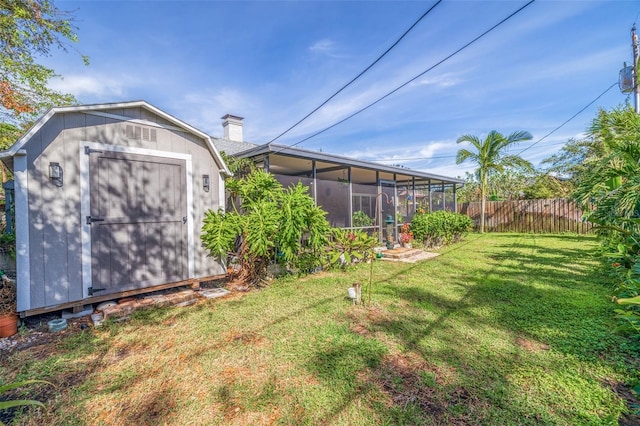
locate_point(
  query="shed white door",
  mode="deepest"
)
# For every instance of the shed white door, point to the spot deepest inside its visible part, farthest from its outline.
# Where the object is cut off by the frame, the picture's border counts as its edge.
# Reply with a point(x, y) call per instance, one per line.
point(138, 221)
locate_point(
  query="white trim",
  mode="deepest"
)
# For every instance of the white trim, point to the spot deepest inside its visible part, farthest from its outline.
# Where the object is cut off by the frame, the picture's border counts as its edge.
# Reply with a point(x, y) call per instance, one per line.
point(23, 273)
point(85, 203)
point(85, 233)
point(222, 196)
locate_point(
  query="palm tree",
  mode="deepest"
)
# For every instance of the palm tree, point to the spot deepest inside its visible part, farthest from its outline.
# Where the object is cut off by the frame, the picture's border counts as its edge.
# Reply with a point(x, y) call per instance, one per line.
point(490, 155)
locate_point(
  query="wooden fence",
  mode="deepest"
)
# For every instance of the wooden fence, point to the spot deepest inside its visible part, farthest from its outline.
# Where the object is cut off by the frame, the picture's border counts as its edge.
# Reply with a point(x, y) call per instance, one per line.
point(536, 216)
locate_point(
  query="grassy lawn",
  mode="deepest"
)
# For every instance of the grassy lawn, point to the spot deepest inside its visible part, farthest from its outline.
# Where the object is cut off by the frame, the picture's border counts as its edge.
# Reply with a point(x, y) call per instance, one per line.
point(499, 329)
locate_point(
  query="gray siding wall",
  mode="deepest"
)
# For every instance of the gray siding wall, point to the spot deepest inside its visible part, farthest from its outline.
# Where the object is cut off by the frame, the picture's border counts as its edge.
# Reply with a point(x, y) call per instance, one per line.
point(55, 222)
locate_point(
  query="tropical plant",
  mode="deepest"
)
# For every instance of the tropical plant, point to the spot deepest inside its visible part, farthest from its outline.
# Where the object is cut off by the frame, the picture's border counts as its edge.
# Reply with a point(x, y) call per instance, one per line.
point(6, 404)
point(347, 247)
point(610, 195)
point(361, 219)
point(269, 223)
point(612, 185)
point(489, 155)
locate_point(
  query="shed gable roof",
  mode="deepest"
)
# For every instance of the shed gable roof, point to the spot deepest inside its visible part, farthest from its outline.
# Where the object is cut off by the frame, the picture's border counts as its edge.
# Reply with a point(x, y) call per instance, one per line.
point(100, 108)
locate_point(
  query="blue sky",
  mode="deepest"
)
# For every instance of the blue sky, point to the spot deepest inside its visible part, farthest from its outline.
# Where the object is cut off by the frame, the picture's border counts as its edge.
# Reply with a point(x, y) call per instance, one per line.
point(273, 62)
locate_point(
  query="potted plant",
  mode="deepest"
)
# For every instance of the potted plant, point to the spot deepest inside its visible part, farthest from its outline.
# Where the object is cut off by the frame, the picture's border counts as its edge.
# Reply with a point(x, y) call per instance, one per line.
point(406, 236)
point(8, 315)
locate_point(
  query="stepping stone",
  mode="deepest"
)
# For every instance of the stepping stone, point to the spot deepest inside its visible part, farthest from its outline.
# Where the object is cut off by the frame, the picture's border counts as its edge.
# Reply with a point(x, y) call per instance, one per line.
point(409, 255)
point(213, 293)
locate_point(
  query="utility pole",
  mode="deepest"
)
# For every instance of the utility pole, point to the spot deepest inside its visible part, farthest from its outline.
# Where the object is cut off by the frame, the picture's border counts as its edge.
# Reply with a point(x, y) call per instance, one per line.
point(636, 57)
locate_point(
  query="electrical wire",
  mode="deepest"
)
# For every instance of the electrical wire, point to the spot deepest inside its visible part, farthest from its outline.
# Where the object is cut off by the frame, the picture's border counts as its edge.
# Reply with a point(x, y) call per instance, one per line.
point(414, 78)
point(572, 117)
point(526, 149)
point(359, 75)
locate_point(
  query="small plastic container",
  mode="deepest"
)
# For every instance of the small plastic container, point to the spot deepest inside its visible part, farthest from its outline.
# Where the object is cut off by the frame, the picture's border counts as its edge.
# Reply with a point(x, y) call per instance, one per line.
point(352, 292)
point(57, 325)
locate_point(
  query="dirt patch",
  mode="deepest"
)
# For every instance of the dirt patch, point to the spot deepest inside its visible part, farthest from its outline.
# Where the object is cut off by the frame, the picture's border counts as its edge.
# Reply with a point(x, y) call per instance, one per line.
point(631, 418)
point(408, 379)
point(401, 379)
point(247, 338)
point(33, 334)
point(531, 345)
point(361, 317)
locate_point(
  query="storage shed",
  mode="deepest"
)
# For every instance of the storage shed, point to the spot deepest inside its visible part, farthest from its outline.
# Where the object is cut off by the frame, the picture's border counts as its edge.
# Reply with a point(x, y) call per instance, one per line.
point(109, 201)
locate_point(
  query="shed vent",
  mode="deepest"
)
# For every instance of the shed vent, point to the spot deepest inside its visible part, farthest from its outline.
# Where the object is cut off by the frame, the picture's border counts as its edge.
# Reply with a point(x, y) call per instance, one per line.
point(144, 133)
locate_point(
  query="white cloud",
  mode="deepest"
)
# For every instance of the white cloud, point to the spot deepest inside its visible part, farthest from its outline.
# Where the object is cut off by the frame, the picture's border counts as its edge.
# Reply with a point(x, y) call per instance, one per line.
point(322, 46)
point(449, 169)
point(204, 108)
point(93, 86)
point(431, 149)
point(415, 152)
point(440, 81)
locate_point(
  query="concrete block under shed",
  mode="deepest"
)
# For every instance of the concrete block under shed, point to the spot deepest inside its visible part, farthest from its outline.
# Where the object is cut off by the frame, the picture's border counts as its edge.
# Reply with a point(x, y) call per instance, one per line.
point(86, 310)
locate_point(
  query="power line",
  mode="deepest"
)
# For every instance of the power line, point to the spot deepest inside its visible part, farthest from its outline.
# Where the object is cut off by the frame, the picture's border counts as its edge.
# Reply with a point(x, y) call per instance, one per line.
point(359, 75)
point(416, 77)
point(416, 158)
point(526, 149)
point(572, 117)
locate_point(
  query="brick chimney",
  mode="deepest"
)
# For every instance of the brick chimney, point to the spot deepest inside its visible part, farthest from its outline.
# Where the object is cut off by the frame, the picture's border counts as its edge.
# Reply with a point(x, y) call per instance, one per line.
point(232, 125)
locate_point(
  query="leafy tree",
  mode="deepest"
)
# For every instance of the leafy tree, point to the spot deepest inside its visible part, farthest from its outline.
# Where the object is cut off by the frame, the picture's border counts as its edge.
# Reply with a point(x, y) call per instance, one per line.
point(572, 161)
point(489, 154)
point(29, 30)
point(269, 222)
point(508, 184)
point(545, 185)
point(9, 134)
point(612, 183)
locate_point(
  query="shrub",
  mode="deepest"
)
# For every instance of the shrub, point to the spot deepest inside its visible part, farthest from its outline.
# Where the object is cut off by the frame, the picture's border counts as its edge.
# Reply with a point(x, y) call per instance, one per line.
point(440, 227)
point(360, 218)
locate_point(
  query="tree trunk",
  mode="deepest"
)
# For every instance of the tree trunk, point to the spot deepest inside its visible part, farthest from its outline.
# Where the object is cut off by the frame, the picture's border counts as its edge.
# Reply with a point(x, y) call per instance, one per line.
point(483, 200)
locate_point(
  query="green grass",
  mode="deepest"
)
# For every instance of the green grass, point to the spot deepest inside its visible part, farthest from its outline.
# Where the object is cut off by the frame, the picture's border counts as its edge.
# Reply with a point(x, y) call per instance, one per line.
point(501, 329)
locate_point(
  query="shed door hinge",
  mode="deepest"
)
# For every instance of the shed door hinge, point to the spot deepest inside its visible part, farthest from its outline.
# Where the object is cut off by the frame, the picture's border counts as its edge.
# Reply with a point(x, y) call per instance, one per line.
point(89, 151)
point(90, 220)
point(95, 290)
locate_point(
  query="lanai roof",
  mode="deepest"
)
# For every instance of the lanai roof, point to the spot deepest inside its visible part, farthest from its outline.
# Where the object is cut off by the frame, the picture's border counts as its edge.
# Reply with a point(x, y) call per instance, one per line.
point(290, 160)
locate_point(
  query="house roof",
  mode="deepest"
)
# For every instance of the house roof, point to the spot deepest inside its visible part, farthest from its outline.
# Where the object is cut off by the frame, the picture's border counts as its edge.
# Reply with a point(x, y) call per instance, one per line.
point(230, 147)
point(285, 150)
point(16, 147)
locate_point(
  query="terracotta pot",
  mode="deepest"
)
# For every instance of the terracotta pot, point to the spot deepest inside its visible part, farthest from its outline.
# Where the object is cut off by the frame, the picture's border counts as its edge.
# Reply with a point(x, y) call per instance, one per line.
point(8, 325)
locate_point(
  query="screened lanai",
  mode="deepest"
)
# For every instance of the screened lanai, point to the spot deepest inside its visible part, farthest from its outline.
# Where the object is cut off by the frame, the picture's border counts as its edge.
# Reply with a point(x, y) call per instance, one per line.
point(343, 186)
